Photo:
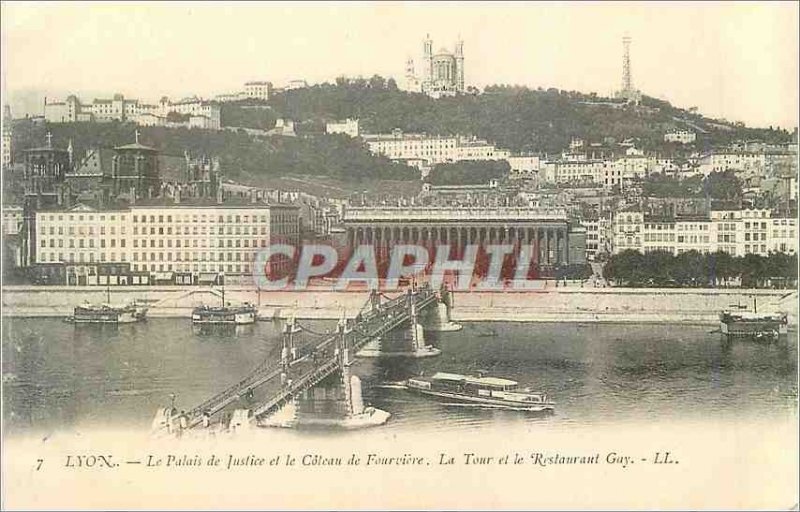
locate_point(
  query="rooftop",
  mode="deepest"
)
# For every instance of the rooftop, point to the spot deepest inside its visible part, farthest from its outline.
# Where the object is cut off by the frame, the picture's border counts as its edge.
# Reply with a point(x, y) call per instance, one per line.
point(93, 206)
point(136, 146)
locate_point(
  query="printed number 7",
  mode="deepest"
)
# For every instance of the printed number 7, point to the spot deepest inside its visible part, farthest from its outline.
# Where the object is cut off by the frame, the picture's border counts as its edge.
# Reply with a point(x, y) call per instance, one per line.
point(39, 465)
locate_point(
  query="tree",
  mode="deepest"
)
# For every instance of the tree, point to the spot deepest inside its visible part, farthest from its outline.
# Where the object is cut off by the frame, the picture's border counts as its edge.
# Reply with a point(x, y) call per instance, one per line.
point(377, 82)
point(469, 172)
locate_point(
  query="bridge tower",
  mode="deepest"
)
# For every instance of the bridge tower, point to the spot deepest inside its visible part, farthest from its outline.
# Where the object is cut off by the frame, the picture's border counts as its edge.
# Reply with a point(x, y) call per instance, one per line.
point(438, 318)
point(408, 341)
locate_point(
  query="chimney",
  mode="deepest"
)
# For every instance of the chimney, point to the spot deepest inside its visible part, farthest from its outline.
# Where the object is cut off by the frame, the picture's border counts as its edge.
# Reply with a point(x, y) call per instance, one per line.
point(133, 195)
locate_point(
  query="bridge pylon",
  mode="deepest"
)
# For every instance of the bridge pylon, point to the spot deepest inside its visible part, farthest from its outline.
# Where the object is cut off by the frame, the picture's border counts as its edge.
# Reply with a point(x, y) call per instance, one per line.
point(438, 318)
point(408, 341)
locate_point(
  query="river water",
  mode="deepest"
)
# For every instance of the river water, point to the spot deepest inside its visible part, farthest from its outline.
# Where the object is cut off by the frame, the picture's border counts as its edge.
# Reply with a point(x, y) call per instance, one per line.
point(61, 376)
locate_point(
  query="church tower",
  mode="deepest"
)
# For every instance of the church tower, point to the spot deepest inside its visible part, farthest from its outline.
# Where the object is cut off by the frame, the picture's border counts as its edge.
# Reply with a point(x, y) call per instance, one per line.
point(459, 65)
point(412, 82)
point(428, 60)
point(134, 170)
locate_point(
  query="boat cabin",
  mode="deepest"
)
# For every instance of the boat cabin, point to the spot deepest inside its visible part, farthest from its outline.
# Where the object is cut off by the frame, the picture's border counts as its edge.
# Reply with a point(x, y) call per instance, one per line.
point(462, 382)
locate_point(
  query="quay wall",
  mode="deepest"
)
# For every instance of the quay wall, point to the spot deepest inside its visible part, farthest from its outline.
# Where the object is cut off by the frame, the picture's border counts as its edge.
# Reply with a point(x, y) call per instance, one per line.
point(548, 304)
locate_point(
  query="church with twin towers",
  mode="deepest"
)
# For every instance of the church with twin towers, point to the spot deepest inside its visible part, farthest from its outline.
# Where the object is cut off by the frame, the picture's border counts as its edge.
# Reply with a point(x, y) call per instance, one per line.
point(441, 73)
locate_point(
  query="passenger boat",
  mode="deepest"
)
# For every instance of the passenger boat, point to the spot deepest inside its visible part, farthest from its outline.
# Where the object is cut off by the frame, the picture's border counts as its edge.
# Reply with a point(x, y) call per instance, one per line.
point(108, 314)
point(483, 391)
point(753, 324)
point(225, 315)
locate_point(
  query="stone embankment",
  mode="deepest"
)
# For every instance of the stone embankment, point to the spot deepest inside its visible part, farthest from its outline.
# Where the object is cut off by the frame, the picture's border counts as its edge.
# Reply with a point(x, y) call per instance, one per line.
point(543, 305)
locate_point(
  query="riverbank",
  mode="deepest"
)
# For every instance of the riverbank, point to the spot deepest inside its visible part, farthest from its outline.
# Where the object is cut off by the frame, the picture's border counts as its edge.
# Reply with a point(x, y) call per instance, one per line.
point(583, 305)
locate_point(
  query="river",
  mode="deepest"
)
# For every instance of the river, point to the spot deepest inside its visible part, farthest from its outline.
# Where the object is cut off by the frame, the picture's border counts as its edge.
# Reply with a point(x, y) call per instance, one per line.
point(61, 376)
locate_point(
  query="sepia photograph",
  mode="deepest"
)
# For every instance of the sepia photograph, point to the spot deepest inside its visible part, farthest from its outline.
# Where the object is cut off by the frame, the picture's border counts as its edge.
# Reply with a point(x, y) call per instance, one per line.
point(399, 255)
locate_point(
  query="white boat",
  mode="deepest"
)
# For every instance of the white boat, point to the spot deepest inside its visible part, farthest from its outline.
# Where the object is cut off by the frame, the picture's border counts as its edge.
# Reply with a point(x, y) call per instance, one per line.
point(225, 315)
point(490, 392)
point(108, 314)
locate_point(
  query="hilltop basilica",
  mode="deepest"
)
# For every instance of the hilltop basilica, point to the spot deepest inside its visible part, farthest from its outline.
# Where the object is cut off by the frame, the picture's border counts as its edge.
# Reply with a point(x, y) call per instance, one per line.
point(442, 72)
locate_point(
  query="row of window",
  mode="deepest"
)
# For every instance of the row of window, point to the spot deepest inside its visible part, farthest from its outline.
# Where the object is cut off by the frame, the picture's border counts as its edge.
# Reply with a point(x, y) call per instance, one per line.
point(81, 230)
point(161, 267)
point(238, 219)
point(755, 249)
point(230, 218)
point(692, 239)
point(659, 237)
point(52, 242)
point(192, 256)
point(200, 230)
point(239, 242)
point(80, 217)
point(52, 257)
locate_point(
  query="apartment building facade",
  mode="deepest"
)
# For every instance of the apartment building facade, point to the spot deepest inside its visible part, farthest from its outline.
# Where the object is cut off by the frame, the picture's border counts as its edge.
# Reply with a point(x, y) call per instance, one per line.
point(161, 239)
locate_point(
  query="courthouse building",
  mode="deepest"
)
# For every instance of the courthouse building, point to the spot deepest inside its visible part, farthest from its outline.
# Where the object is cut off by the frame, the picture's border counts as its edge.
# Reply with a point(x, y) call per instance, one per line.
point(548, 229)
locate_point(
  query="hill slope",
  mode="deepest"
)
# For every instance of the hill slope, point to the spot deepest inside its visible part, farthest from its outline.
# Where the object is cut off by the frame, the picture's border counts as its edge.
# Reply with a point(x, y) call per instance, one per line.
point(517, 118)
point(243, 157)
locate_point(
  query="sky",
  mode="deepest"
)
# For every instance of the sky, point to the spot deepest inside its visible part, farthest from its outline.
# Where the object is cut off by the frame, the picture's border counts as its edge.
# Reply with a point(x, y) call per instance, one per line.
point(735, 60)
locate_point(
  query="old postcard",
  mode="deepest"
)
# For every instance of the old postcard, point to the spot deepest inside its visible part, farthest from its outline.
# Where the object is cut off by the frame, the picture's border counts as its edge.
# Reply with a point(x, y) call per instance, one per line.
point(392, 256)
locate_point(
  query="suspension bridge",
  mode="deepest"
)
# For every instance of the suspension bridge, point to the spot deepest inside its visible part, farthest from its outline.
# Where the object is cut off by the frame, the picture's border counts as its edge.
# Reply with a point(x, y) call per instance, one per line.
point(301, 366)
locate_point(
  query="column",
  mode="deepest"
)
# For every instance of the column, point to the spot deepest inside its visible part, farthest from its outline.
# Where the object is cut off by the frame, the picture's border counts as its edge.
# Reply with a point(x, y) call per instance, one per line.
point(546, 239)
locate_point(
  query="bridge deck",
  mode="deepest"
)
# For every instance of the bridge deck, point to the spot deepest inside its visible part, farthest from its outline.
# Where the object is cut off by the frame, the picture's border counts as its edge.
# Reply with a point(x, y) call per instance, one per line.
point(320, 361)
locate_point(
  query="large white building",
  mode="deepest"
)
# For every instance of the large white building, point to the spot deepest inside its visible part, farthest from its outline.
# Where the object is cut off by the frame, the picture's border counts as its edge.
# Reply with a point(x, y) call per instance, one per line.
point(524, 166)
point(737, 161)
point(680, 136)
point(575, 171)
point(165, 238)
point(736, 232)
point(347, 127)
point(199, 113)
point(427, 150)
point(258, 90)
